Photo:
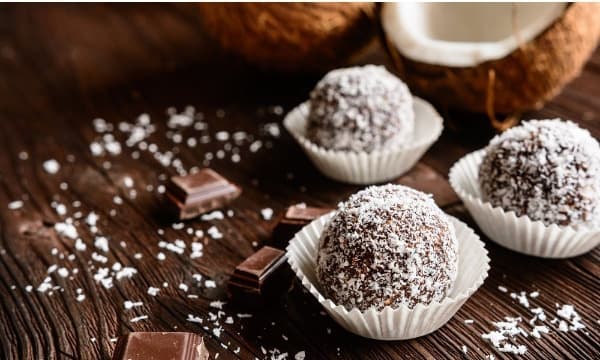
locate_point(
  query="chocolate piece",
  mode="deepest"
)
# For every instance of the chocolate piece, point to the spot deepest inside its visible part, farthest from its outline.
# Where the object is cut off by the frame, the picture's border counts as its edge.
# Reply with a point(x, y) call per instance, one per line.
point(160, 345)
point(295, 218)
point(198, 193)
point(261, 278)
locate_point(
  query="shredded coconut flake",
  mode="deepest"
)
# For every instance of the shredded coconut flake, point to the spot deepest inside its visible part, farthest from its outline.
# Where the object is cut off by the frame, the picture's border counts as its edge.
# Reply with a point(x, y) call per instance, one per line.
point(51, 166)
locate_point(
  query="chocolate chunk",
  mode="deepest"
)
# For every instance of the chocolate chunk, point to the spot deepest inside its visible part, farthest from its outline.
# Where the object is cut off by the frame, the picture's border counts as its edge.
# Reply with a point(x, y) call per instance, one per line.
point(295, 218)
point(261, 278)
point(160, 345)
point(198, 193)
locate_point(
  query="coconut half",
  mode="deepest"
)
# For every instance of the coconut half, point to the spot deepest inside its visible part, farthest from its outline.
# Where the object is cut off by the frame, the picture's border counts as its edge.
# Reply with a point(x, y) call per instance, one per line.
point(296, 37)
point(490, 57)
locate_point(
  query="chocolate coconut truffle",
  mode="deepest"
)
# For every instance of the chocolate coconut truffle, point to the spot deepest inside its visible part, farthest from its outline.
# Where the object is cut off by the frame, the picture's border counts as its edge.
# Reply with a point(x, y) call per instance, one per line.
point(548, 170)
point(360, 109)
point(387, 246)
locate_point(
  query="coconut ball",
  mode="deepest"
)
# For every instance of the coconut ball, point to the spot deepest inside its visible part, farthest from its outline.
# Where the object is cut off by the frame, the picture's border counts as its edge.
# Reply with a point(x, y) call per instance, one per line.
point(360, 109)
point(387, 246)
point(548, 170)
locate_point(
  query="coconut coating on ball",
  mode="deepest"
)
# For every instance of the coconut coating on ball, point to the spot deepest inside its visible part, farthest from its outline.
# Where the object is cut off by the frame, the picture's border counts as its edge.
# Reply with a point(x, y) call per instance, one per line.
point(548, 170)
point(360, 109)
point(387, 246)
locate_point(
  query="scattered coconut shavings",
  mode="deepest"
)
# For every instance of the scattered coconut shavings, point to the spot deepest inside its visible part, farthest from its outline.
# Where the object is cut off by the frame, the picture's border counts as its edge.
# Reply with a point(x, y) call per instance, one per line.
point(99, 258)
point(101, 243)
point(214, 233)
point(266, 213)
point(196, 250)
point(51, 166)
point(153, 291)
point(126, 272)
point(505, 332)
point(255, 146)
point(215, 215)
point(139, 318)
point(14, 205)
point(178, 226)
point(131, 304)
point(194, 319)
point(272, 129)
point(173, 247)
point(568, 313)
point(60, 209)
point(45, 285)
point(521, 298)
point(538, 330)
point(217, 304)
point(66, 229)
point(63, 272)
point(217, 331)
point(80, 245)
point(504, 338)
point(92, 219)
point(539, 315)
point(108, 141)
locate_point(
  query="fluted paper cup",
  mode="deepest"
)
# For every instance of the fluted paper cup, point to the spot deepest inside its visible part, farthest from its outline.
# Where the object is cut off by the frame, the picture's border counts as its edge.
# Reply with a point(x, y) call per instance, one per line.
point(374, 167)
point(518, 233)
point(393, 323)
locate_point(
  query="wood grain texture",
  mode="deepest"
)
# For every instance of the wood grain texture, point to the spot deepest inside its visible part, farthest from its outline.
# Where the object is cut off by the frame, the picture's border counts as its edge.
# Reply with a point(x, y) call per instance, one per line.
point(63, 65)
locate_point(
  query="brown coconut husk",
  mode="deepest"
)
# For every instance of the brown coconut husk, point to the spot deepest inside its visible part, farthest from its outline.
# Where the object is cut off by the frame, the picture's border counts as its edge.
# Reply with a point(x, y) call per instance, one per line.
point(524, 80)
point(291, 36)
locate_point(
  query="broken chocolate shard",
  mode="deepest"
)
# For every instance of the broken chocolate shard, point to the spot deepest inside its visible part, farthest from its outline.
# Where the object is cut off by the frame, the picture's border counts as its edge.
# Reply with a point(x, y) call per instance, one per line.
point(159, 346)
point(294, 219)
point(261, 278)
point(302, 214)
point(195, 194)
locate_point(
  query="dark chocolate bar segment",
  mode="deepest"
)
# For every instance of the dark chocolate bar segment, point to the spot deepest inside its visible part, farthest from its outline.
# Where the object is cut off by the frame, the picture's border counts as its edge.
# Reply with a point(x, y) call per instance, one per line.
point(195, 194)
point(302, 214)
point(260, 278)
point(159, 346)
point(294, 219)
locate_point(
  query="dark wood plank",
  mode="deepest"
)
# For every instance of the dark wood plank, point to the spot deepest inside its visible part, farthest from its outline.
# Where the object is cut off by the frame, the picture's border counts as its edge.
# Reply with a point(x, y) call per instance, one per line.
point(63, 65)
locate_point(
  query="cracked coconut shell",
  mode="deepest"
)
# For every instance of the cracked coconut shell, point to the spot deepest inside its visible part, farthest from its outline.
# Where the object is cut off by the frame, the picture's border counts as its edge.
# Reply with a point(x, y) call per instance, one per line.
point(524, 80)
point(291, 36)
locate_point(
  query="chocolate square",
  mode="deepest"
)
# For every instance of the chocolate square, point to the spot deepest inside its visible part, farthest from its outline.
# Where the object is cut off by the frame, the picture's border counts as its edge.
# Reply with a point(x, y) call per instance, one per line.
point(159, 346)
point(261, 278)
point(195, 194)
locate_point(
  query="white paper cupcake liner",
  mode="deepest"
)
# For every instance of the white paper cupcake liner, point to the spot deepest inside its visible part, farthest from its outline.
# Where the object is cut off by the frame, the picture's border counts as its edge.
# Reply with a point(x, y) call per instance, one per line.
point(520, 234)
point(400, 323)
point(374, 167)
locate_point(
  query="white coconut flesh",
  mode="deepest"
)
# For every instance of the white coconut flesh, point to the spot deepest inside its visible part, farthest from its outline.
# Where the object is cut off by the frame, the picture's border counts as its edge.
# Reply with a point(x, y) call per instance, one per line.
point(464, 34)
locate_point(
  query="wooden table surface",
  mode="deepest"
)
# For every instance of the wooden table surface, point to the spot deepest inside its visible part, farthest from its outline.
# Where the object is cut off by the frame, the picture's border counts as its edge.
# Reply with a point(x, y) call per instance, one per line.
point(61, 66)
